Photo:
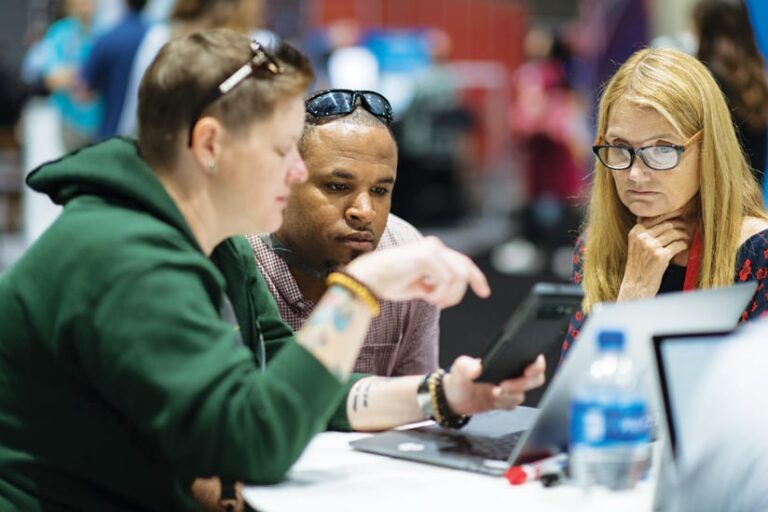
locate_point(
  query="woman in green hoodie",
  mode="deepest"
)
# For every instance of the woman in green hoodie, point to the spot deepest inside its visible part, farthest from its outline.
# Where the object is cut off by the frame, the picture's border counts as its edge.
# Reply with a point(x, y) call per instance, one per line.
point(135, 333)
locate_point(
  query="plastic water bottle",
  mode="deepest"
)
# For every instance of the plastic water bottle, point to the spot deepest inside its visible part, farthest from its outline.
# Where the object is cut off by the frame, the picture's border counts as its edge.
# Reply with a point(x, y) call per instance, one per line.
point(610, 435)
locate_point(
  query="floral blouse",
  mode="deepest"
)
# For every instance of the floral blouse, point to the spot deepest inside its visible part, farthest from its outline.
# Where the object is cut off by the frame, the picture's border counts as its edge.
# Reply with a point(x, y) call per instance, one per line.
point(751, 265)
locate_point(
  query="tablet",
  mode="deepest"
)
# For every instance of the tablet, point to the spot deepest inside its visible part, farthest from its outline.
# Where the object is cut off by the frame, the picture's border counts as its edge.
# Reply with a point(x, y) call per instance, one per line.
point(540, 321)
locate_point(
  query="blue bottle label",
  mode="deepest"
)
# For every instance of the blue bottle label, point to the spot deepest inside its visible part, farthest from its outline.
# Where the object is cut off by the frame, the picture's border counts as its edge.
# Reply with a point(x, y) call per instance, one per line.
point(604, 424)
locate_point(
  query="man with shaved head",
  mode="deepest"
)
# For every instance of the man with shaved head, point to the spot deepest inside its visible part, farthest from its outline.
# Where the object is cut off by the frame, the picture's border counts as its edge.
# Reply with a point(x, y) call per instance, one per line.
point(339, 213)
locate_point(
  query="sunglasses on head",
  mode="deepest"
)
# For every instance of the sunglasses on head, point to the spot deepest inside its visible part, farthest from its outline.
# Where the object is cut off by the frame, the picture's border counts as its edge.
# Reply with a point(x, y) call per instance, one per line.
point(342, 102)
point(261, 59)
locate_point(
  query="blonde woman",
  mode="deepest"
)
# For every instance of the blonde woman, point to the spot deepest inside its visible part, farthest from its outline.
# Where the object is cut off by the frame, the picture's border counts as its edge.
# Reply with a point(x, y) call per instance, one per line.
point(673, 203)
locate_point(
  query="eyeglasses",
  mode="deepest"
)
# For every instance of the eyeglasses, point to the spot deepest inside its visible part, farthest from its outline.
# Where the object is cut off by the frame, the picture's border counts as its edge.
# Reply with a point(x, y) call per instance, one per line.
point(260, 58)
point(342, 102)
point(661, 157)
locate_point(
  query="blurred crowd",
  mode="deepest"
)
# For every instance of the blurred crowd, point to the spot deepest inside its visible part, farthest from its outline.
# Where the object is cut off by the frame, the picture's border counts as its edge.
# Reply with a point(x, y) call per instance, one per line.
point(461, 129)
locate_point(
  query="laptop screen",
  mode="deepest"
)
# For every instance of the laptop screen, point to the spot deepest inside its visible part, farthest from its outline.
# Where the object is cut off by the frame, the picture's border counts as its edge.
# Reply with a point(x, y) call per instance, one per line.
point(682, 360)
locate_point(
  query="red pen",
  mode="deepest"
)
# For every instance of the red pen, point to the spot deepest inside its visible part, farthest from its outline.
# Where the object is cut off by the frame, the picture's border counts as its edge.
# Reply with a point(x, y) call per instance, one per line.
point(518, 475)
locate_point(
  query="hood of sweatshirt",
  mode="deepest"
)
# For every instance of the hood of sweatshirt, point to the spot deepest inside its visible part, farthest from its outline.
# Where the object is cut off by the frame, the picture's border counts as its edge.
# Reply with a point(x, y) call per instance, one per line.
point(113, 170)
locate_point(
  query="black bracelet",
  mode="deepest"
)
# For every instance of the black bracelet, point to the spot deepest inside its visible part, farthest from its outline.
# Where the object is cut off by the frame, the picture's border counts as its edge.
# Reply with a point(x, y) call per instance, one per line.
point(445, 416)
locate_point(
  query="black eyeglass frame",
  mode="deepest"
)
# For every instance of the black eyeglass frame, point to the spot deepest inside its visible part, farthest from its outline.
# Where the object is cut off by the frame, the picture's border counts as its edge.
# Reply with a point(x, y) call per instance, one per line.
point(386, 116)
point(260, 58)
point(679, 149)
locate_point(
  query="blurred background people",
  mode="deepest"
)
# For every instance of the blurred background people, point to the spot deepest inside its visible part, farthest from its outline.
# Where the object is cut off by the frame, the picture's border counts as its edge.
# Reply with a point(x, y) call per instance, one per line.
point(348, 63)
point(604, 33)
point(66, 47)
point(432, 133)
point(107, 70)
point(548, 121)
point(187, 16)
point(727, 46)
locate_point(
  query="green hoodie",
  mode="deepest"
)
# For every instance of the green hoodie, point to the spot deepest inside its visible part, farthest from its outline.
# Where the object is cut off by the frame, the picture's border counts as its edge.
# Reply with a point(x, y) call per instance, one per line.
point(119, 380)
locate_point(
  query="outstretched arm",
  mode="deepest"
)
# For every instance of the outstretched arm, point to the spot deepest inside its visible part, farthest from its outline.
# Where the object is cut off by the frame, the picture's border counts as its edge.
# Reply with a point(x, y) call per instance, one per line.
point(379, 403)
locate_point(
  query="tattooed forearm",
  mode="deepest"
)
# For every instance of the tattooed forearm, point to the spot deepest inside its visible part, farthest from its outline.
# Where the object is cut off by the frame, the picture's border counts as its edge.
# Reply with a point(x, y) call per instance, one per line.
point(335, 331)
point(335, 309)
point(361, 392)
point(377, 403)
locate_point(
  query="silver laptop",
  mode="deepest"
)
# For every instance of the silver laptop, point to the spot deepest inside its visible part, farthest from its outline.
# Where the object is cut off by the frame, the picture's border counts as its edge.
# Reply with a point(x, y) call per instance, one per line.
point(523, 435)
point(682, 360)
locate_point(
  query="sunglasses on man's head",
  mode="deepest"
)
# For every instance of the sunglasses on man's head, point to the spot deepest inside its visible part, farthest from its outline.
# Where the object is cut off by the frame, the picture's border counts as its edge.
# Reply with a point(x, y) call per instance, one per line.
point(342, 102)
point(261, 59)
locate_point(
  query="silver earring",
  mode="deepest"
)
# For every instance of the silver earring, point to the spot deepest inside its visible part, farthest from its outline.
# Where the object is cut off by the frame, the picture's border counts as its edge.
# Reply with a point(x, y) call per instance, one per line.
point(212, 167)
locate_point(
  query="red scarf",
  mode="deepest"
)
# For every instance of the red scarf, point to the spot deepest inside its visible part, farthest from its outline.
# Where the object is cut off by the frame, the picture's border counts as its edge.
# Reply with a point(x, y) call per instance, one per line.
point(694, 263)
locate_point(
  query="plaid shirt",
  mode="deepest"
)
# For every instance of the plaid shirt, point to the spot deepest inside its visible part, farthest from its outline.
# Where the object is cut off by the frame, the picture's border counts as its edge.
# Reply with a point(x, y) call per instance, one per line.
point(402, 340)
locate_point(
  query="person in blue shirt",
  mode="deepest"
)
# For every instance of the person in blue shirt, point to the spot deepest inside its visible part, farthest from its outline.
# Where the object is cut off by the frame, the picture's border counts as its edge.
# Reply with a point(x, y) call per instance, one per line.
point(108, 68)
point(68, 42)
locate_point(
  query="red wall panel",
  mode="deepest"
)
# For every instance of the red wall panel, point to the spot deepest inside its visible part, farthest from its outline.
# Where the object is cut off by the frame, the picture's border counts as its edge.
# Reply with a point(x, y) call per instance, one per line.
point(479, 29)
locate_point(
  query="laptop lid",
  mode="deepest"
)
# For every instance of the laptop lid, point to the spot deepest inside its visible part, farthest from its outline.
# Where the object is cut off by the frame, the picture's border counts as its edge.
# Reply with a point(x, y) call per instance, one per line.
point(701, 311)
point(682, 361)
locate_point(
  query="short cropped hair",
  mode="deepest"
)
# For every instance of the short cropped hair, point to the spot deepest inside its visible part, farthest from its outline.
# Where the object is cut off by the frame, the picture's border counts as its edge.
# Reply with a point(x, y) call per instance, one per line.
point(359, 117)
point(186, 71)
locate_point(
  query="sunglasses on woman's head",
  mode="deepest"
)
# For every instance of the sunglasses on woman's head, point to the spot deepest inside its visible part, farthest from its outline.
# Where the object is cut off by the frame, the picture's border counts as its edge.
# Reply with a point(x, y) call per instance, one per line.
point(342, 102)
point(261, 58)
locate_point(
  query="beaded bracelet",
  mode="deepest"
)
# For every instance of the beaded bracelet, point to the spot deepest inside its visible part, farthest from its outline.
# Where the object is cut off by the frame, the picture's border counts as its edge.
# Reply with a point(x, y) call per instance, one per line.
point(434, 378)
point(441, 411)
point(358, 289)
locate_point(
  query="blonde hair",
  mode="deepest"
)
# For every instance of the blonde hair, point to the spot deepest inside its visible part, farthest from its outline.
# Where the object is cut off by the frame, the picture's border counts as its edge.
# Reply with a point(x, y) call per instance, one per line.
point(682, 90)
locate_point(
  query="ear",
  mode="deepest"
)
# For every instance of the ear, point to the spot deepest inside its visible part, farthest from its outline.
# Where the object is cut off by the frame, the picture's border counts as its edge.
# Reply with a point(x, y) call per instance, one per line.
point(207, 136)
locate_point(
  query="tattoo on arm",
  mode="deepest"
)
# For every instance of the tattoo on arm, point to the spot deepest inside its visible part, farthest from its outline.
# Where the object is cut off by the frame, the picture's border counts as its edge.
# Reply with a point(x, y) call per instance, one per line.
point(330, 329)
point(362, 389)
point(330, 319)
point(334, 312)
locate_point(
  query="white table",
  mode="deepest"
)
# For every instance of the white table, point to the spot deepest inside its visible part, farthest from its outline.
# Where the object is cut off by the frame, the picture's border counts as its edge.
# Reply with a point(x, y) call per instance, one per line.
point(331, 476)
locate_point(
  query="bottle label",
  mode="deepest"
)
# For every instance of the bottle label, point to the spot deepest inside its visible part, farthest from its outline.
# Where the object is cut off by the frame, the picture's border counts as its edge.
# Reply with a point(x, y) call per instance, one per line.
point(604, 424)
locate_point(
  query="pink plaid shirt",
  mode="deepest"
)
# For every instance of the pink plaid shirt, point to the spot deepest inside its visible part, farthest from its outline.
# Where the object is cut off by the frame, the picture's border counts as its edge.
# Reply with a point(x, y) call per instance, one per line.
point(402, 340)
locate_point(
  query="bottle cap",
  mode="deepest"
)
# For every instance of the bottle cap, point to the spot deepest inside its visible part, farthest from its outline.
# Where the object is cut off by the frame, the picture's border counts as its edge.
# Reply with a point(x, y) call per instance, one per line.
point(516, 475)
point(610, 340)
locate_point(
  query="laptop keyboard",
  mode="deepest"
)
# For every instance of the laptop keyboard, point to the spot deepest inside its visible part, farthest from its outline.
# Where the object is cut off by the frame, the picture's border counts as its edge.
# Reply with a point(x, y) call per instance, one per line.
point(486, 447)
